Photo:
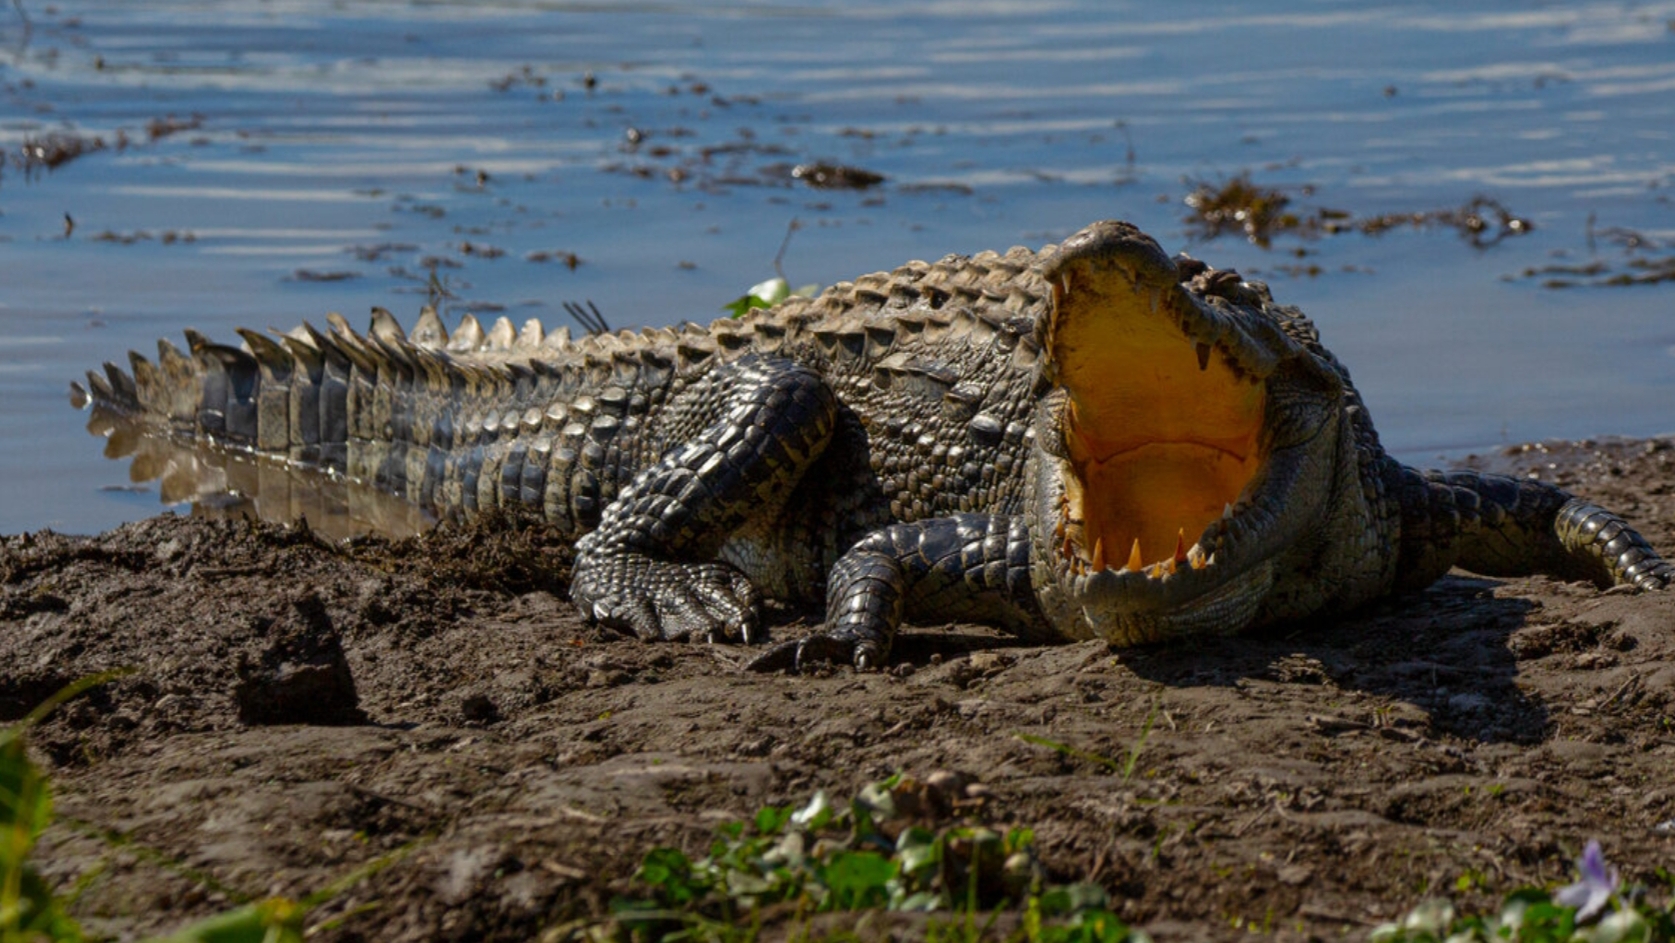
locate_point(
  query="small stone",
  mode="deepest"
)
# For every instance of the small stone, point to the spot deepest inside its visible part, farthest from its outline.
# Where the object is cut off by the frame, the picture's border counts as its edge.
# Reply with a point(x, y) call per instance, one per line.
point(479, 708)
point(1295, 875)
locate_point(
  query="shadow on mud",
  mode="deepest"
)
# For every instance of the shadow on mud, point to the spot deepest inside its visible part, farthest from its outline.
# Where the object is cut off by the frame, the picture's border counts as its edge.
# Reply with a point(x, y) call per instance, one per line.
point(1447, 651)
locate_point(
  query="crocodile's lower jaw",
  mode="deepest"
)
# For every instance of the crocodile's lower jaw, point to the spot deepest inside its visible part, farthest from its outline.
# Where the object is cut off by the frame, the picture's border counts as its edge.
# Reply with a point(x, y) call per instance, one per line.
point(1128, 608)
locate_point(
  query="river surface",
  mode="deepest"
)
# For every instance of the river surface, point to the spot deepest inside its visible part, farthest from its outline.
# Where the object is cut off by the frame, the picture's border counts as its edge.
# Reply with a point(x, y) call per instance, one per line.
point(266, 162)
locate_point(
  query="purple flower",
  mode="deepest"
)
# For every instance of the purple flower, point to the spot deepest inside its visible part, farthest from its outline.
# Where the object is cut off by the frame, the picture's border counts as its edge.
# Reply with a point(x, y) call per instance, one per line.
point(1593, 891)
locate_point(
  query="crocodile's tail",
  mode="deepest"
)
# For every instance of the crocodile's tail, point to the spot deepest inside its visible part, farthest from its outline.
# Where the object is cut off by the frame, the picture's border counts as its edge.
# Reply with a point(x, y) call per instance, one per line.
point(379, 408)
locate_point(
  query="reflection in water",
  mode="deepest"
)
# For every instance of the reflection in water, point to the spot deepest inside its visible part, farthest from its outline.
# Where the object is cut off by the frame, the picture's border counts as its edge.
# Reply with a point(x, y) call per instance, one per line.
point(226, 484)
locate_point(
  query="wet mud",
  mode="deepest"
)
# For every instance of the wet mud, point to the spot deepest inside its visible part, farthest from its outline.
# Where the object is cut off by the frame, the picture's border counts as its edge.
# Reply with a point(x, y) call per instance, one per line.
point(301, 706)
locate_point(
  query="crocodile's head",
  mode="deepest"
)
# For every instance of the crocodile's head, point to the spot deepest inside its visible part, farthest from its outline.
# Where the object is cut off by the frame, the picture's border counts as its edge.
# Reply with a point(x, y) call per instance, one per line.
point(1186, 444)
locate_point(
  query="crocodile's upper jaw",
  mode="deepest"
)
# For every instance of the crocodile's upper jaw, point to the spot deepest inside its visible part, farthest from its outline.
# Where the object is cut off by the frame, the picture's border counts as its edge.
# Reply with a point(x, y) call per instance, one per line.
point(1159, 492)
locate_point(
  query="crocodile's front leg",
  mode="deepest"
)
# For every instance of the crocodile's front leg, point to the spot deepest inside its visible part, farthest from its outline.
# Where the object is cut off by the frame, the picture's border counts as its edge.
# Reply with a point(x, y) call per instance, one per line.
point(1500, 526)
point(651, 565)
point(972, 567)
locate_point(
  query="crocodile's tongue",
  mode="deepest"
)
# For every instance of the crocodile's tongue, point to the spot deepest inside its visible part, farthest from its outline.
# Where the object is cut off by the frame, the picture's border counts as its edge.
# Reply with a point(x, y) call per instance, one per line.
point(1162, 430)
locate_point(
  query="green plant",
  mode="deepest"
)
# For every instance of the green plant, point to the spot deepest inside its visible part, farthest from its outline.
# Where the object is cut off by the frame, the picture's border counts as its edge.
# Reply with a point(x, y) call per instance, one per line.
point(1597, 908)
point(875, 852)
point(28, 910)
point(766, 295)
point(1131, 758)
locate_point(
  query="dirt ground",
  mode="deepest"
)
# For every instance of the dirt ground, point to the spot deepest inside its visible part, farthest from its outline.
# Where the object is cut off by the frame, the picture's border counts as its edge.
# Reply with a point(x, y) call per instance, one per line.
point(302, 707)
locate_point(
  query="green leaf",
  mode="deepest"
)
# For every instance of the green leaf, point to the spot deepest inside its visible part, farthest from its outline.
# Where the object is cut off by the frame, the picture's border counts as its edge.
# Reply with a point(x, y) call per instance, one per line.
point(670, 873)
point(275, 920)
point(34, 913)
point(25, 801)
point(858, 879)
point(761, 295)
point(1074, 898)
point(918, 851)
point(879, 801)
point(770, 820)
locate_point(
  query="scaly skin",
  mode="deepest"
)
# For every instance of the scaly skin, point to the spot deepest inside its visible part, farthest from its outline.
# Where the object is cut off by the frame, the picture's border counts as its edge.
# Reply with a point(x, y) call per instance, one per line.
point(976, 439)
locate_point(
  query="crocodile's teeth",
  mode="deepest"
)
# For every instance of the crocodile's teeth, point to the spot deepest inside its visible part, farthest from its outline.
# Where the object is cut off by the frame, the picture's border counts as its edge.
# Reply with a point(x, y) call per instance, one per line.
point(1066, 550)
point(1180, 549)
point(1203, 357)
point(1135, 561)
point(1227, 512)
point(1157, 301)
point(1099, 556)
point(1195, 557)
point(1065, 280)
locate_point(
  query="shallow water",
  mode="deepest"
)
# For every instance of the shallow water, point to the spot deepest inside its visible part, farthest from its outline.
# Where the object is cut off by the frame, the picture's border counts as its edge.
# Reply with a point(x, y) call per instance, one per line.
point(366, 142)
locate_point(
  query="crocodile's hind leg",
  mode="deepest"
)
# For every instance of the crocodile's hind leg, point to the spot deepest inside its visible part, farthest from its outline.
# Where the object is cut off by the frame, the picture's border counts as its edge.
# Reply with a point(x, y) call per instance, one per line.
point(1500, 526)
point(650, 566)
point(971, 567)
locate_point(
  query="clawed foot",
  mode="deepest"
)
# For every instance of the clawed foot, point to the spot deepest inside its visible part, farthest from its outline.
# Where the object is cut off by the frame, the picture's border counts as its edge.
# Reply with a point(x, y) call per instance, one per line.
point(658, 600)
point(833, 648)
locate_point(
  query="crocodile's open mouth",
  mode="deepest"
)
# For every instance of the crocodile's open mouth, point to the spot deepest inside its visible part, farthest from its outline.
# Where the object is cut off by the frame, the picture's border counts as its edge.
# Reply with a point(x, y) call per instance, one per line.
point(1163, 424)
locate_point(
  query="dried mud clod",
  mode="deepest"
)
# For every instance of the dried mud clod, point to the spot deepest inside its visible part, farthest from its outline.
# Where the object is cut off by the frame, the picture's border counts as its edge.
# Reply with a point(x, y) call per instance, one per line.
point(294, 672)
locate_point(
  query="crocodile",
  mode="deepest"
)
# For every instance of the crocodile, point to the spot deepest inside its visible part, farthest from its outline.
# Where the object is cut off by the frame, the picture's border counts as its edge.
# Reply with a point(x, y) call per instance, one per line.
point(1093, 440)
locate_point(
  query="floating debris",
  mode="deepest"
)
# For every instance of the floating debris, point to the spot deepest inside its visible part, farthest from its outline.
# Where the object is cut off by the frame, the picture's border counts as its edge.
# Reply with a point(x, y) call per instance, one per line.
point(168, 237)
point(569, 259)
point(1262, 213)
point(159, 128)
point(311, 275)
point(1645, 261)
point(56, 149)
point(1238, 205)
point(823, 176)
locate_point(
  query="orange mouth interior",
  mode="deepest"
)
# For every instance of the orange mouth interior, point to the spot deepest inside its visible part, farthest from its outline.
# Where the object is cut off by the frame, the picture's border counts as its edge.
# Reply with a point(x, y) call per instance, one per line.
point(1163, 433)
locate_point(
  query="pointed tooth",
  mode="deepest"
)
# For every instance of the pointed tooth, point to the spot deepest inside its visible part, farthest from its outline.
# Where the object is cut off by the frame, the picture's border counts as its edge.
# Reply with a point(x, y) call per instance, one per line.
point(1135, 561)
point(1203, 356)
point(1065, 280)
point(1066, 550)
point(1157, 301)
point(1227, 512)
point(1098, 555)
point(1195, 557)
point(1180, 547)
